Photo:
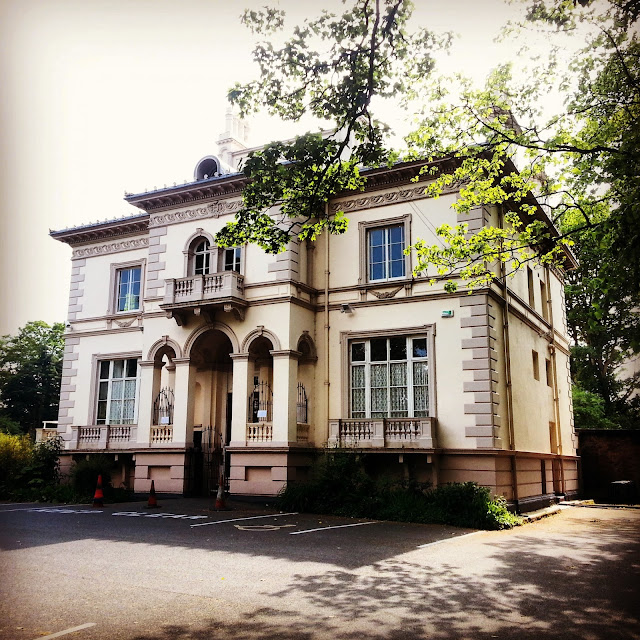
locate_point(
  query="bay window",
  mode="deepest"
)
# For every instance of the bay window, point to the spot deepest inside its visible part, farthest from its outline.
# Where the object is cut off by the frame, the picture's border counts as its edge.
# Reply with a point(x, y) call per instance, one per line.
point(389, 377)
point(117, 391)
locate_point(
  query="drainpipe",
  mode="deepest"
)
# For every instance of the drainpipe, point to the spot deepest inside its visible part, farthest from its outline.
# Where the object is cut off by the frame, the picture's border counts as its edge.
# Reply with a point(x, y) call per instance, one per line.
point(507, 366)
point(326, 314)
point(554, 370)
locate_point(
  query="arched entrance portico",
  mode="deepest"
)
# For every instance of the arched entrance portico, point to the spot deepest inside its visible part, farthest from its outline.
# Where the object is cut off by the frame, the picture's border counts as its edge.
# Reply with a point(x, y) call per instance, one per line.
point(209, 429)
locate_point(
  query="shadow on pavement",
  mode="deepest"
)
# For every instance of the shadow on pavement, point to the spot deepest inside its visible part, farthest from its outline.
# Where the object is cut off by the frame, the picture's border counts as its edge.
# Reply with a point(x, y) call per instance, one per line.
point(366, 544)
point(533, 587)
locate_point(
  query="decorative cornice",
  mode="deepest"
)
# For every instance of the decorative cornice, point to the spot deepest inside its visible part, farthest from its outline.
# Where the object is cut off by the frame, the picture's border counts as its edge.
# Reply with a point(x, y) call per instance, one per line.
point(111, 247)
point(172, 197)
point(131, 225)
point(213, 210)
point(101, 332)
point(384, 295)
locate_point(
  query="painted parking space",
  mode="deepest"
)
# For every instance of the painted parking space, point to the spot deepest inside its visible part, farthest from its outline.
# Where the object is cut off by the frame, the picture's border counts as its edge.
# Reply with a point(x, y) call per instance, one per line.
point(51, 510)
point(172, 516)
point(306, 524)
point(241, 524)
point(91, 510)
point(271, 515)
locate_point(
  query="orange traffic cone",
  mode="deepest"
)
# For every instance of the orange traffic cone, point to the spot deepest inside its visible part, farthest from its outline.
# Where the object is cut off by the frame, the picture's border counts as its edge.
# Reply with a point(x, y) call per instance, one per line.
point(220, 499)
point(98, 496)
point(153, 503)
point(220, 506)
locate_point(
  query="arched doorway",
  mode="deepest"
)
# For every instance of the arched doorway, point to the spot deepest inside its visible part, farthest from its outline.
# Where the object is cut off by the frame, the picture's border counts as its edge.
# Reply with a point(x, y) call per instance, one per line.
point(260, 400)
point(164, 377)
point(211, 395)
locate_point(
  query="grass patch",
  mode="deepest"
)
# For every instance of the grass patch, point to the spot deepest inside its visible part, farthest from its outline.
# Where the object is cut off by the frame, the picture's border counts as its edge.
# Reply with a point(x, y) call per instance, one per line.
point(338, 484)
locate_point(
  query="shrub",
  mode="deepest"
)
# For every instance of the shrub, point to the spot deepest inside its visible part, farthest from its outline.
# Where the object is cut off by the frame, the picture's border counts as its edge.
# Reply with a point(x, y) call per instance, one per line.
point(30, 472)
point(16, 453)
point(338, 484)
point(7, 425)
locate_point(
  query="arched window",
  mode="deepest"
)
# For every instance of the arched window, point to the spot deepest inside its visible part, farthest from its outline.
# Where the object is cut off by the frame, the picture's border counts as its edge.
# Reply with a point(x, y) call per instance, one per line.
point(202, 258)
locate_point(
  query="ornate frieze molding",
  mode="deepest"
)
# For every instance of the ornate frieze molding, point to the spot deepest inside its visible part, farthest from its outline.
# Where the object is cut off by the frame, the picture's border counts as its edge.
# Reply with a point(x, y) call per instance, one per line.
point(213, 210)
point(383, 199)
point(110, 247)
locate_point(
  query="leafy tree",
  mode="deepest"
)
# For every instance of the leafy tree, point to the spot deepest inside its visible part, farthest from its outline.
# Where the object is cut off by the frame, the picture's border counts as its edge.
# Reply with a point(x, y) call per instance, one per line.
point(581, 161)
point(589, 411)
point(368, 54)
point(30, 373)
point(604, 323)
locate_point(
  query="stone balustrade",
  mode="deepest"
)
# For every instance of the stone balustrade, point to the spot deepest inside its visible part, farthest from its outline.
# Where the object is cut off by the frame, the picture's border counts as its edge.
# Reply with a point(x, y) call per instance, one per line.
point(383, 433)
point(104, 437)
point(161, 434)
point(201, 288)
point(259, 432)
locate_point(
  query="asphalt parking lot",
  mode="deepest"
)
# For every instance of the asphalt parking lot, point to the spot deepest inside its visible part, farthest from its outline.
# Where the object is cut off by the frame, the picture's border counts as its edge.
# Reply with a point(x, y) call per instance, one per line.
point(182, 571)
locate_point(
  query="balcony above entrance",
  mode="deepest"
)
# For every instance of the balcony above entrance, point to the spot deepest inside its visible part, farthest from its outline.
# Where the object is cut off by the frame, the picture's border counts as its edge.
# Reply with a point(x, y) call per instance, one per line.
point(204, 294)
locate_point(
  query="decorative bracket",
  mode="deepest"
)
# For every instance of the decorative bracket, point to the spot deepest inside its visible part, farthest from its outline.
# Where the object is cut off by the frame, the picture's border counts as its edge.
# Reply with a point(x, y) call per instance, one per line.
point(385, 295)
point(239, 313)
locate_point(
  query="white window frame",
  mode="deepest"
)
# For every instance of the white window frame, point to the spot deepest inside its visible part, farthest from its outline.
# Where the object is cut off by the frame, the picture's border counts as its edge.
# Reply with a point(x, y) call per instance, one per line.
point(114, 286)
point(364, 228)
point(119, 286)
point(237, 259)
point(189, 252)
point(109, 381)
point(348, 338)
point(207, 258)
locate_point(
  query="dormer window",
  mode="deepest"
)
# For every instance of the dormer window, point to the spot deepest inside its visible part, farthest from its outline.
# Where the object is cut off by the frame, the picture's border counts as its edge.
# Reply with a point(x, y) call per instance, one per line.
point(208, 167)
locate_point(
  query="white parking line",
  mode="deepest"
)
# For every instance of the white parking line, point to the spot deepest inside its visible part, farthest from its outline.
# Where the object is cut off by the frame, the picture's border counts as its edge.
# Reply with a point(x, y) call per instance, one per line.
point(66, 631)
point(140, 514)
point(10, 510)
point(51, 510)
point(338, 526)
point(464, 535)
point(275, 515)
point(34, 507)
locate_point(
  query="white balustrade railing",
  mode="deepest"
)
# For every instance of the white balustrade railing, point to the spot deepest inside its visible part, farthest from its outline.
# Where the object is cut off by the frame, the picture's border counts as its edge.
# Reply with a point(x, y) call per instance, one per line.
point(259, 432)
point(227, 284)
point(89, 434)
point(161, 434)
point(401, 429)
point(418, 433)
point(116, 436)
point(356, 430)
point(120, 433)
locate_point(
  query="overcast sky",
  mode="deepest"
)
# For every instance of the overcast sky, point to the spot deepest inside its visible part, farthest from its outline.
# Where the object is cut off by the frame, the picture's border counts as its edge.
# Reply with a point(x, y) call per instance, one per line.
point(100, 97)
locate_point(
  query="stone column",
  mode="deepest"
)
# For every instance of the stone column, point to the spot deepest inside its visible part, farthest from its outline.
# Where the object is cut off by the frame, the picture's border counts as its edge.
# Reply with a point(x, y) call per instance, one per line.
point(146, 396)
point(240, 399)
point(183, 398)
point(285, 384)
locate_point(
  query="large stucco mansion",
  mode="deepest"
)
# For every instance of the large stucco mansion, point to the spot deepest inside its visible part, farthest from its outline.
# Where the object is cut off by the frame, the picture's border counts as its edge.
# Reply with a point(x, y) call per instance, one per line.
point(184, 359)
